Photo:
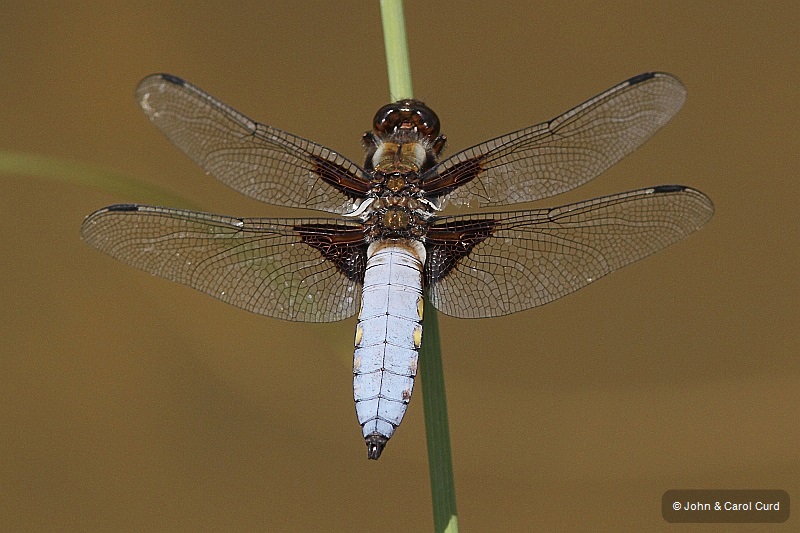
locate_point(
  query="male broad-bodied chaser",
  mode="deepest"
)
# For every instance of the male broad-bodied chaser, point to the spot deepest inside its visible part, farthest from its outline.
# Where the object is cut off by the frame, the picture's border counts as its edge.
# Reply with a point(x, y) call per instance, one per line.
point(389, 245)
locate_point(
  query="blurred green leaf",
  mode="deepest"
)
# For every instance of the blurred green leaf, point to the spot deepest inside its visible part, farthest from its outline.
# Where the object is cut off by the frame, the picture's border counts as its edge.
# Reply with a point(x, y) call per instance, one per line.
point(53, 168)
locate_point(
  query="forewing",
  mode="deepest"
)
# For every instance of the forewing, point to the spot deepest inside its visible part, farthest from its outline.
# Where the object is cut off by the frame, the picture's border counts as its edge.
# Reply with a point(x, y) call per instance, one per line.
point(275, 267)
point(518, 260)
point(556, 156)
point(257, 160)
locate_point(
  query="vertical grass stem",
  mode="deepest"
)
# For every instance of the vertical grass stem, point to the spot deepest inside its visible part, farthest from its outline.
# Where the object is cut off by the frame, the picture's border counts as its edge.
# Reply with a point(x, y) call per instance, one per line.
point(440, 462)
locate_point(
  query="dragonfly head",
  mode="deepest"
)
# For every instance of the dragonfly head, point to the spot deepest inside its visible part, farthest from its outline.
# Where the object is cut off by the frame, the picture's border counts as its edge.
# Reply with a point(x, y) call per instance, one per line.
point(406, 116)
point(408, 123)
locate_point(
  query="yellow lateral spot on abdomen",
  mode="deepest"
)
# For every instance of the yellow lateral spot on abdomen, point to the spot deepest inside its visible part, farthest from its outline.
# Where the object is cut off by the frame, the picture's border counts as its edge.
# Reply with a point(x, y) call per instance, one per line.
point(417, 337)
point(359, 334)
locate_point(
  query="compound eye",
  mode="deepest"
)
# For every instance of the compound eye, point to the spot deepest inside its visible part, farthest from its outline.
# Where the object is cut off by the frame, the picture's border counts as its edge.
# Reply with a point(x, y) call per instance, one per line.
point(426, 121)
point(406, 114)
point(386, 119)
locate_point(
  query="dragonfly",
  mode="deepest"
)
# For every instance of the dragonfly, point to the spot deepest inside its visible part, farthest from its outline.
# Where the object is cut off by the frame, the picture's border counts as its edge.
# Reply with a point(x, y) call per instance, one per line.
point(387, 246)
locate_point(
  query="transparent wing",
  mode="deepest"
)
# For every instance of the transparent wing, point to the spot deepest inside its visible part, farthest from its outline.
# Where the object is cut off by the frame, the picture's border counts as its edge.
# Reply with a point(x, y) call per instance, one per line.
point(262, 265)
point(257, 160)
point(556, 156)
point(517, 260)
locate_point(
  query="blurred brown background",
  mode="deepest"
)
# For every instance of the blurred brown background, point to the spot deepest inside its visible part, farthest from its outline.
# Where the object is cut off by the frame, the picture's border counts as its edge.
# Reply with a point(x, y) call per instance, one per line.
point(131, 403)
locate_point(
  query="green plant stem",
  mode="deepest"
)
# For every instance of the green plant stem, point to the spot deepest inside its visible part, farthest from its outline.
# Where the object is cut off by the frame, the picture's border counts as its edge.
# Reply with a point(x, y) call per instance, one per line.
point(440, 461)
point(394, 39)
point(437, 426)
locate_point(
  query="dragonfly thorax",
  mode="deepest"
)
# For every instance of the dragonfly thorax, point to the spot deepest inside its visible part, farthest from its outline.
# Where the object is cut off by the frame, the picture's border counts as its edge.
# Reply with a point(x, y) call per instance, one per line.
point(396, 219)
point(403, 156)
point(396, 216)
point(396, 183)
